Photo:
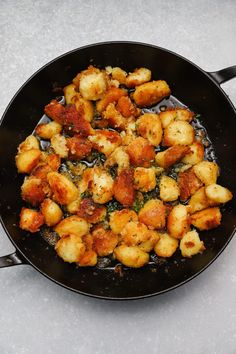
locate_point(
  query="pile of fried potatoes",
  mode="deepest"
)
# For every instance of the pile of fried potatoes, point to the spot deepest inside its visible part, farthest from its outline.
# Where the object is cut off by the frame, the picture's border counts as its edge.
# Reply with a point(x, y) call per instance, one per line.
point(125, 203)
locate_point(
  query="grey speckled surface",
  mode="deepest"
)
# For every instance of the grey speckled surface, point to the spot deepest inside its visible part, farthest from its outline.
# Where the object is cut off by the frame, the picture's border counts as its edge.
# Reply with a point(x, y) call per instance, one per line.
point(37, 316)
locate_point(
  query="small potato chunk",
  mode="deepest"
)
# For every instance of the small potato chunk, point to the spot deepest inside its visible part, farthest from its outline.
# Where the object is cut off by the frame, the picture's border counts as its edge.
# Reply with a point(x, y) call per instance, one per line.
point(144, 179)
point(166, 246)
point(196, 154)
point(72, 225)
point(206, 219)
point(207, 172)
point(101, 186)
point(153, 238)
point(31, 142)
point(149, 127)
point(178, 222)
point(34, 190)
point(131, 256)
point(105, 141)
point(218, 194)
point(199, 201)
point(90, 211)
point(78, 147)
point(138, 77)
point(104, 241)
point(127, 108)
point(153, 214)
point(75, 122)
point(51, 211)
point(30, 220)
point(189, 183)
point(150, 93)
point(124, 188)
point(55, 111)
point(134, 233)
point(73, 207)
point(169, 189)
point(171, 155)
point(70, 248)
point(27, 160)
point(178, 133)
point(89, 259)
point(53, 161)
point(119, 218)
point(117, 74)
point(47, 131)
point(112, 96)
point(171, 115)
point(118, 157)
point(64, 191)
point(59, 145)
point(114, 117)
point(129, 134)
point(141, 152)
point(191, 244)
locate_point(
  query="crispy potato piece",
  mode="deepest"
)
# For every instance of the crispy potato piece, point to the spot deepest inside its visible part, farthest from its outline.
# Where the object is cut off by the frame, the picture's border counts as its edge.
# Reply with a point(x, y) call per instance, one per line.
point(167, 245)
point(178, 133)
point(153, 214)
point(153, 238)
point(51, 211)
point(191, 244)
point(70, 248)
point(144, 179)
point(64, 191)
point(127, 108)
point(72, 225)
point(27, 160)
point(114, 117)
point(30, 220)
point(105, 141)
point(59, 145)
point(101, 186)
point(131, 256)
point(150, 93)
point(88, 259)
point(138, 77)
point(199, 201)
point(218, 194)
point(206, 219)
point(129, 134)
point(48, 130)
point(78, 147)
point(134, 233)
point(118, 157)
point(74, 206)
point(104, 241)
point(41, 171)
point(112, 95)
point(141, 152)
point(53, 161)
point(119, 218)
point(171, 155)
point(31, 142)
point(75, 122)
point(90, 211)
point(195, 155)
point(178, 222)
point(172, 114)
point(149, 127)
point(169, 189)
point(207, 172)
point(189, 183)
point(124, 188)
point(34, 190)
point(55, 111)
point(117, 74)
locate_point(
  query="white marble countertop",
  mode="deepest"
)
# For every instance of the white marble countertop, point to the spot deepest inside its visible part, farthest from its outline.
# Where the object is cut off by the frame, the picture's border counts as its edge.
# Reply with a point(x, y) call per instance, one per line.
point(37, 316)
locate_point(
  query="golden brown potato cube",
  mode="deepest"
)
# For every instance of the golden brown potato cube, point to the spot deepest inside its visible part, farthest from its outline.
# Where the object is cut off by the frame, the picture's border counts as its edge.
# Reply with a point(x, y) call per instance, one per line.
point(53, 160)
point(119, 218)
point(70, 248)
point(141, 152)
point(169, 189)
point(89, 259)
point(153, 238)
point(118, 157)
point(34, 190)
point(150, 93)
point(144, 179)
point(63, 190)
point(178, 222)
point(47, 131)
point(31, 142)
point(27, 160)
point(129, 134)
point(117, 74)
point(191, 244)
point(153, 214)
point(138, 77)
point(149, 127)
point(90, 211)
point(218, 194)
point(55, 111)
point(104, 241)
point(124, 188)
point(112, 95)
point(73, 207)
point(30, 220)
point(195, 155)
point(166, 246)
point(173, 114)
point(171, 155)
point(178, 133)
point(101, 186)
point(127, 108)
point(78, 147)
point(59, 145)
point(134, 233)
point(114, 117)
point(51, 211)
point(199, 201)
point(105, 141)
point(206, 219)
point(69, 93)
point(72, 225)
point(207, 172)
point(189, 183)
point(131, 256)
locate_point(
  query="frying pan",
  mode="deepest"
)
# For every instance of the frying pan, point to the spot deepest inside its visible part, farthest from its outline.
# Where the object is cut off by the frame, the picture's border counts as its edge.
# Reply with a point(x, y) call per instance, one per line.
point(196, 88)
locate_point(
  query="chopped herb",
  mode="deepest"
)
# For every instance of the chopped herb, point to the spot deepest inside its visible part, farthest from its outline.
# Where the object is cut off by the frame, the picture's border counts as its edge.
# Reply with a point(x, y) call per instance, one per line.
point(113, 205)
point(86, 194)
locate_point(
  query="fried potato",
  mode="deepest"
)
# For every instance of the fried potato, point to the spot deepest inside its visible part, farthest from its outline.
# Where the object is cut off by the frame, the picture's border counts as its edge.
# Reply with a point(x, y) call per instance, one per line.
point(112, 95)
point(30, 220)
point(195, 155)
point(114, 117)
point(191, 244)
point(169, 189)
point(199, 201)
point(127, 108)
point(104, 241)
point(189, 183)
point(171, 155)
point(153, 214)
point(88, 259)
point(51, 211)
point(166, 246)
point(138, 77)
point(134, 233)
point(105, 141)
point(124, 188)
point(55, 111)
point(141, 152)
point(178, 133)
point(206, 171)
point(63, 190)
point(70, 248)
point(59, 145)
point(178, 221)
point(144, 179)
point(34, 190)
point(149, 127)
point(74, 206)
point(117, 74)
point(131, 256)
point(31, 142)
point(150, 93)
point(27, 160)
point(206, 219)
point(175, 114)
point(218, 194)
point(118, 157)
point(119, 218)
point(129, 134)
point(90, 211)
point(72, 225)
point(153, 238)
point(78, 147)
point(48, 130)
point(101, 186)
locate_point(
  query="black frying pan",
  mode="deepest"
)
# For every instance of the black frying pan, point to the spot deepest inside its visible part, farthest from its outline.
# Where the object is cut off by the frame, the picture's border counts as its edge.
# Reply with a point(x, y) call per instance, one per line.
point(191, 85)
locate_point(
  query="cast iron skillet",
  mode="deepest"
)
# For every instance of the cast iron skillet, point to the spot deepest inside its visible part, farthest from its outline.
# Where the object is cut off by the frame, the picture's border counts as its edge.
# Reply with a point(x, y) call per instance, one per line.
point(191, 85)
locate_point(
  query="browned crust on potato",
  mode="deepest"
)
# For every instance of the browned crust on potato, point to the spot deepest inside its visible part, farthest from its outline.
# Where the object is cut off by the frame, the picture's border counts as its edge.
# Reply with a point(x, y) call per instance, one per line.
point(188, 184)
point(78, 147)
point(141, 152)
point(90, 211)
point(124, 190)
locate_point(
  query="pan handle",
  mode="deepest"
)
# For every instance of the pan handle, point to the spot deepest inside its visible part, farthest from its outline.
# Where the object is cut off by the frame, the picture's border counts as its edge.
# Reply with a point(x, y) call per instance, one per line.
point(11, 260)
point(224, 75)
